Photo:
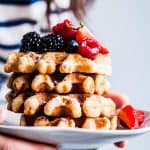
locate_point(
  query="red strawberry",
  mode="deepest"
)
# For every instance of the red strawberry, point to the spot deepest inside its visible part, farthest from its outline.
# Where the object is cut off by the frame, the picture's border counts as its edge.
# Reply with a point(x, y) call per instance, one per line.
point(89, 48)
point(104, 50)
point(83, 33)
point(65, 29)
point(128, 116)
point(140, 116)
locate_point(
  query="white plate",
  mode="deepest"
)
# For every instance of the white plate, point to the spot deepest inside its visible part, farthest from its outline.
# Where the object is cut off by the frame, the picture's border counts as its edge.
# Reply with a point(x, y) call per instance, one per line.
point(70, 138)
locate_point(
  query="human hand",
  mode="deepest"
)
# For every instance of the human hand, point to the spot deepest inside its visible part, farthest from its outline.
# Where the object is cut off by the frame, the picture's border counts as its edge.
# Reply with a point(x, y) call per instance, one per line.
point(11, 143)
point(120, 100)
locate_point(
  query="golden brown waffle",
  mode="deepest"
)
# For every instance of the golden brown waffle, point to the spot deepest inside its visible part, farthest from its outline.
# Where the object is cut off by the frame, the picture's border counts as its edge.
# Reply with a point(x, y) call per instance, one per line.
point(54, 105)
point(46, 121)
point(59, 83)
point(57, 62)
point(101, 123)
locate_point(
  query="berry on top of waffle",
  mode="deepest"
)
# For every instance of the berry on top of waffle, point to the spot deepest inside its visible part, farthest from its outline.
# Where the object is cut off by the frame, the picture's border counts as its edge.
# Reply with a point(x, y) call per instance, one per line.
point(66, 49)
point(65, 37)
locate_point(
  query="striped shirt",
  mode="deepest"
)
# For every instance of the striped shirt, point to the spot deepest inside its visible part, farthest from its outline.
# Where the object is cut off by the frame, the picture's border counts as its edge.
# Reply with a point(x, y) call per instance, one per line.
point(18, 17)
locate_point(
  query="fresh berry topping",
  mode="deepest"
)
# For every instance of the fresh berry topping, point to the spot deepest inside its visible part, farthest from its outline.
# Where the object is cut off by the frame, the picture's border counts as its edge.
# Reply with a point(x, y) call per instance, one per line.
point(127, 115)
point(83, 33)
point(140, 116)
point(65, 29)
point(52, 42)
point(104, 50)
point(72, 46)
point(30, 42)
point(89, 48)
point(131, 117)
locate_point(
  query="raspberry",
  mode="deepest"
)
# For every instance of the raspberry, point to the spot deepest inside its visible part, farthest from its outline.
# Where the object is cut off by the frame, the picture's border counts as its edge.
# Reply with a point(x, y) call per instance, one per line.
point(65, 29)
point(89, 48)
point(30, 42)
point(52, 42)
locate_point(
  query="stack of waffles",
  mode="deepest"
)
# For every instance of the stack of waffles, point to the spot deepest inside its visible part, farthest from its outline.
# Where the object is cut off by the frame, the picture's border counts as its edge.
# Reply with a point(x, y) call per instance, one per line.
point(60, 89)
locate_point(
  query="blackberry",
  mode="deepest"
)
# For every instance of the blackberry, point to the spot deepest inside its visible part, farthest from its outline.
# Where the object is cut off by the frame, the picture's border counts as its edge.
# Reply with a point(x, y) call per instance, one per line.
point(52, 42)
point(72, 46)
point(30, 42)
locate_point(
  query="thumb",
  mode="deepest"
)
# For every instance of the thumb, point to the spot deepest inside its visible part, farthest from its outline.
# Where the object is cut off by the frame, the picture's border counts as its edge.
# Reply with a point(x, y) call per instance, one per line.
point(120, 99)
point(8, 143)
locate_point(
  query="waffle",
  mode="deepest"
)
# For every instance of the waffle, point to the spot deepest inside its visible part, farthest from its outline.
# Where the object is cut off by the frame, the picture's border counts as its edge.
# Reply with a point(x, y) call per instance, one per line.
point(54, 105)
point(51, 62)
point(59, 83)
point(101, 123)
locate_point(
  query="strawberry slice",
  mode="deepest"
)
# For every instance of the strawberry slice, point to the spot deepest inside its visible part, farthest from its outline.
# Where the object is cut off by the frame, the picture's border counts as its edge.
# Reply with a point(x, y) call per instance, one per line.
point(140, 116)
point(104, 50)
point(128, 116)
point(83, 33)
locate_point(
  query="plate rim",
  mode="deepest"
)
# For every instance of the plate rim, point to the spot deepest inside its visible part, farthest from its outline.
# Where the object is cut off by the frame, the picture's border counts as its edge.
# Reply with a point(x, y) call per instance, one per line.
point(79, 130)
point(116, 132)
